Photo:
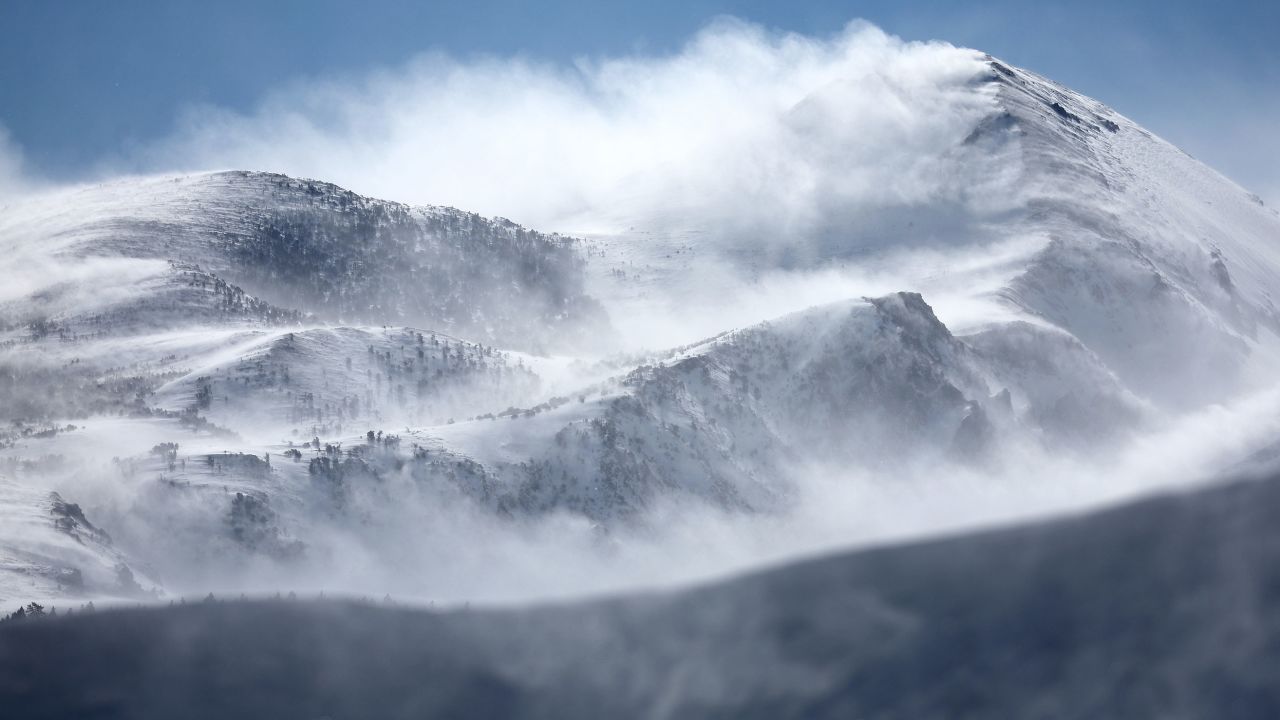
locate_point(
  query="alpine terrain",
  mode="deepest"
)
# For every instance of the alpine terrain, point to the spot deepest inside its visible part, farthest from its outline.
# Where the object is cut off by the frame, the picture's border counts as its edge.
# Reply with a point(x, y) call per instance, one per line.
point(240, 382)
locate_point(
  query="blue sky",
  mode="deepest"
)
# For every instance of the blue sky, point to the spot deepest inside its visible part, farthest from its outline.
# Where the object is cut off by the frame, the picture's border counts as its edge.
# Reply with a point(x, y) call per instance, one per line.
point(82, 83)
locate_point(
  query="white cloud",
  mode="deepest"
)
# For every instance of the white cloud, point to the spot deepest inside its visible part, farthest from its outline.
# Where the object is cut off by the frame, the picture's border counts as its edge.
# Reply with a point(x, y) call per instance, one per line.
point(12, 178)
point(742, 126)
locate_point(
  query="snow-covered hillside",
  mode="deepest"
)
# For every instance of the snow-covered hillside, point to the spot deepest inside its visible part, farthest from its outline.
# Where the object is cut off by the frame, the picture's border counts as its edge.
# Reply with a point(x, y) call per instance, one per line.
point(245, 381)
point(876, 384)
point(310, 245)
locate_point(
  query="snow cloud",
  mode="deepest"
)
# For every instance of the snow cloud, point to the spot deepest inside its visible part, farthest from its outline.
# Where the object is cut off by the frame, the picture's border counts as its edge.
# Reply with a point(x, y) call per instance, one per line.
point(742, 126)
point(12, 179)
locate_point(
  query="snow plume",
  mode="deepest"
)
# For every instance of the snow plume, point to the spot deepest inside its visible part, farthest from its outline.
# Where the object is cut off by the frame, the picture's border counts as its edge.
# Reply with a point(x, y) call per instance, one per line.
point(13, 180)
point(742, 129)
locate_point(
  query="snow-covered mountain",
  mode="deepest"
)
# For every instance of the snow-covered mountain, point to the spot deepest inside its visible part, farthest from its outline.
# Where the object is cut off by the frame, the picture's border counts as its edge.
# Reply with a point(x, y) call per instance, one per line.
point(245, 380)
point(301, 244)
point(879, 384)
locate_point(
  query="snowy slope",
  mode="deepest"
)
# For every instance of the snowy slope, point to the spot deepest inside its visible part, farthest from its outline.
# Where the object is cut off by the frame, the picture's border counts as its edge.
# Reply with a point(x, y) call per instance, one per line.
point(1157, 263)
point(876, 384)
point(1046, 207)
point(314, 380)
point(51, 549)
point(309, 245)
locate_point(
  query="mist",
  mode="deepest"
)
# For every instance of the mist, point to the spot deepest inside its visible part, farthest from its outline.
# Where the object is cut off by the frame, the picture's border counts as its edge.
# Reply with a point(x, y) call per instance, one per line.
point(13, 178)
point(732, 131)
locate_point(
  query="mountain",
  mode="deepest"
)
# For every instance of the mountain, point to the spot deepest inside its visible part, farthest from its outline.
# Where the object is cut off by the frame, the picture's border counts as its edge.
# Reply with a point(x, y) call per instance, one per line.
point(307, 245)
point(325, 376)
point(1162, 608)
point(1151, 255)
point(250, 381)
point(878, 383)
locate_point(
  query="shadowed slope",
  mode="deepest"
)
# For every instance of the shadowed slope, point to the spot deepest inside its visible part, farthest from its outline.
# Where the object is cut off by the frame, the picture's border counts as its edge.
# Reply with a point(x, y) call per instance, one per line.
point(1164, 608)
